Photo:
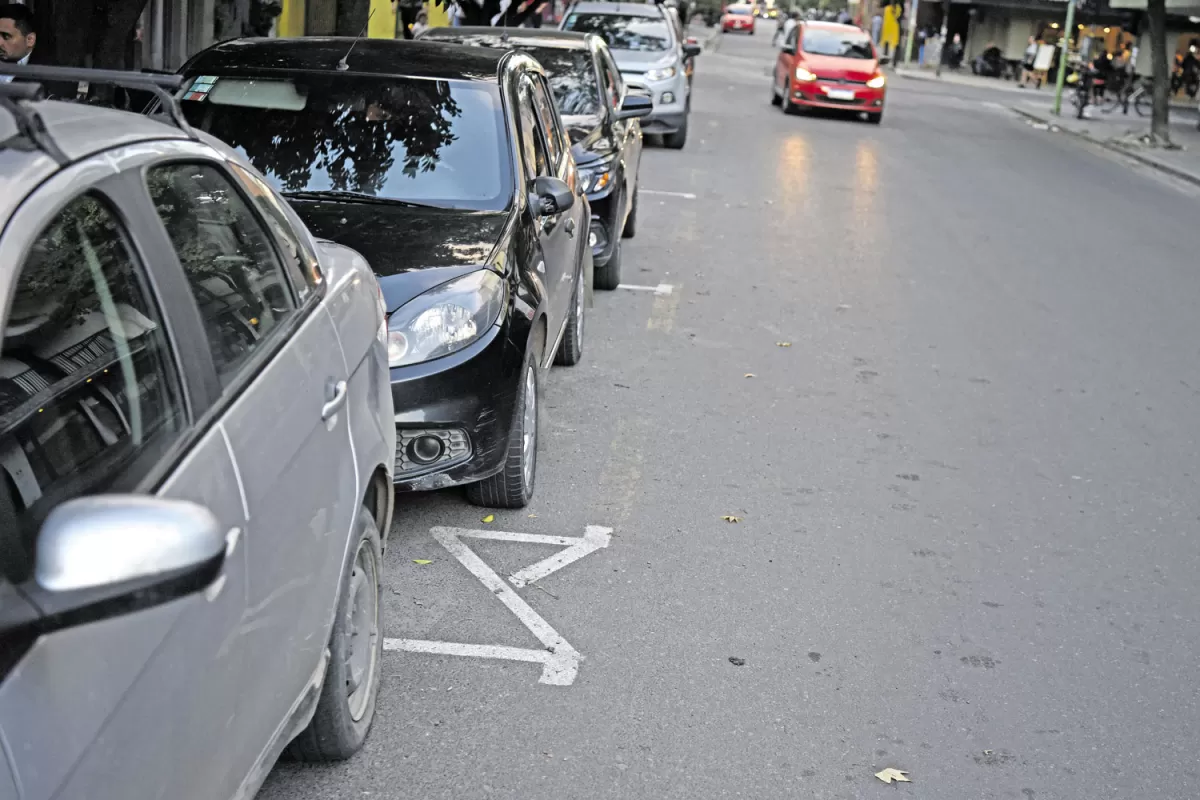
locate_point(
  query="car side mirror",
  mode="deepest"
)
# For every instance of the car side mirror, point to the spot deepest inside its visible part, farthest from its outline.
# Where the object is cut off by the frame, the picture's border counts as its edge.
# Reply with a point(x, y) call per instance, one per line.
point(692, 50)
point(789, 49)
point(635, 105)
point(108, 555)
point(550, 196)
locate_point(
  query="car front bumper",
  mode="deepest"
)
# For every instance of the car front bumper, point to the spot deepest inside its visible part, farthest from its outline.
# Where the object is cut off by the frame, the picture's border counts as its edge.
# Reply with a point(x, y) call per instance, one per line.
point(466, 401)
point(603, 234)
point(830, 94)
point(670, 98)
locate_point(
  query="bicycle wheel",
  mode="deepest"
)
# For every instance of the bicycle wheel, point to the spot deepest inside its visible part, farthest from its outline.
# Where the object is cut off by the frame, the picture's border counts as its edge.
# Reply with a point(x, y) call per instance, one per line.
point(1143, 104)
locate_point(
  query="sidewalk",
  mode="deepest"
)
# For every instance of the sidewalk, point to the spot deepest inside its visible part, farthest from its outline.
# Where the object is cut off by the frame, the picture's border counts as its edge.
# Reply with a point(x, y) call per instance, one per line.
point(1121, 134)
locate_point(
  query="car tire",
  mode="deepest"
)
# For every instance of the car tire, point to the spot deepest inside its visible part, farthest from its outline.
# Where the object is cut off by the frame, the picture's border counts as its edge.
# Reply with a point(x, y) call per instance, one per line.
point(676, 140)
point(608, 277)
point(512, 486)
point(570, 350)
point(875, 119)
point(788, 106)
point(344, 715)
point(630, 229)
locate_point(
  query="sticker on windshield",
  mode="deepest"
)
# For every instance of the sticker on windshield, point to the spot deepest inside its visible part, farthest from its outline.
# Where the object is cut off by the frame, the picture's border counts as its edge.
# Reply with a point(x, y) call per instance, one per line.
point(201, 87)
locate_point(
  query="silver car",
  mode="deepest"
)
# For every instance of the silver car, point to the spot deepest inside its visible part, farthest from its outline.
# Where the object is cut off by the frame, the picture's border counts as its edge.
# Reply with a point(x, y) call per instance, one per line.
point(652, 56)
point(196, 443)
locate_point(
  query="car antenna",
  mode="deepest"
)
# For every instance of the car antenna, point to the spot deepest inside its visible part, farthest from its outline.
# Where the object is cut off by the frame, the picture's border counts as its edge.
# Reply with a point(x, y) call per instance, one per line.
point(342, 65)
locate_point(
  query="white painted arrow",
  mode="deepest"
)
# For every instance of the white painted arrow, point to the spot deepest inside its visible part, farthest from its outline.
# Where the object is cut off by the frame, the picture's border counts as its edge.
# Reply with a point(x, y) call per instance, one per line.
point(559, 660)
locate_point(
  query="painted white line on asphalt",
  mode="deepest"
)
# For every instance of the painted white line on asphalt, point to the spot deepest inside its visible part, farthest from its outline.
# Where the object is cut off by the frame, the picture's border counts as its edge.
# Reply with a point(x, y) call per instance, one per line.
point(994, 105)
point(559, 660)
point(662, 288)
point(684, 195)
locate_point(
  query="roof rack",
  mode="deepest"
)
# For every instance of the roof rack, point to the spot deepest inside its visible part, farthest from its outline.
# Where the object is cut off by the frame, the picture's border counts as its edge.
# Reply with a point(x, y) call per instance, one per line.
point(156, 84)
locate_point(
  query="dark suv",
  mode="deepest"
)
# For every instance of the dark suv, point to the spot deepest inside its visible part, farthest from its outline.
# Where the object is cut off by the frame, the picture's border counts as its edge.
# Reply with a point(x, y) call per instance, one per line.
point(600, 118)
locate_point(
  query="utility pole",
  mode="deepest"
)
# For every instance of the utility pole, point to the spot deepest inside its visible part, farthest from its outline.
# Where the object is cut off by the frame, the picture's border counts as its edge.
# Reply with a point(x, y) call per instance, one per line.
point(945, 35)
point(1062, 58)
point(912, 28)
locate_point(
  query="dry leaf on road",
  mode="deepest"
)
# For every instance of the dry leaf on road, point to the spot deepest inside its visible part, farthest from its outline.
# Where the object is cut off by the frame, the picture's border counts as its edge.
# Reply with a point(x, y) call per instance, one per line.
point(489, 518)
point(421, 561)
point(731, 518)
point(892, 774)
point(748, 375)
point(783, 344)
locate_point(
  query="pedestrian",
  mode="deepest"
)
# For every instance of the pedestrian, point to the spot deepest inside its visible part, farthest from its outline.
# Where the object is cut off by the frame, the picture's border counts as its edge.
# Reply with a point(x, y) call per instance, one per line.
point(1031, 51)
point(18, 35)
point(876, 28)
point(922, 35)
point(953, 53)
point(843, 17)
point(421, 23)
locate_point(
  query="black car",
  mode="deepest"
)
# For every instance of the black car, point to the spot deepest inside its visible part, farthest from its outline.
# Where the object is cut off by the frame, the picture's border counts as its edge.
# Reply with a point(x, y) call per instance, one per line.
point(600, 117)
point(450, 170)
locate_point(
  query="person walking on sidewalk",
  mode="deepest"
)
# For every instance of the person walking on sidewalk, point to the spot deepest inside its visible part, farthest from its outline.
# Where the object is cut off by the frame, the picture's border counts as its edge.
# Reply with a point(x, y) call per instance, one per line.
point(1031, 51)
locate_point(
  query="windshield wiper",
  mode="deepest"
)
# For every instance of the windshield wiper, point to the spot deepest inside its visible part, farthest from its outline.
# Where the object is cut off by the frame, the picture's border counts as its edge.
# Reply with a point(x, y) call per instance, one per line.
point(353, 197)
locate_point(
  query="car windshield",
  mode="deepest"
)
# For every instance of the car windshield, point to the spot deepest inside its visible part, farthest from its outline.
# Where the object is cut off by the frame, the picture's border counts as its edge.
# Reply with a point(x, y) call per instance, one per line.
point(431, 142)
point(848, 44)
point(741, 11)
point(624, 32)
point(572, 79)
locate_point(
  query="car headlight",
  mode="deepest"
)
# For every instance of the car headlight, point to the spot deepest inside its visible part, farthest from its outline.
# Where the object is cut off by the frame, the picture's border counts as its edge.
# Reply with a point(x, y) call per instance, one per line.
point(445, 319)
point(660, 74)
point(804, 75)
point(596, 177)
point(877, 82)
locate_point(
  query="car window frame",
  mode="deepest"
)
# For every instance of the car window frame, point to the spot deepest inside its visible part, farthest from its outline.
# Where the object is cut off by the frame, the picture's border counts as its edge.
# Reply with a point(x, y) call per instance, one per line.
point(525, 85)
point(608, 64)
point(553, 137)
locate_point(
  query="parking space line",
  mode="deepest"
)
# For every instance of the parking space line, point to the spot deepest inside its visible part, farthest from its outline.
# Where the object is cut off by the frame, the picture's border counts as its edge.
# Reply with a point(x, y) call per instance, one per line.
point(559, 660)
point(662, 315)
point(662, 288)
point(684, 195)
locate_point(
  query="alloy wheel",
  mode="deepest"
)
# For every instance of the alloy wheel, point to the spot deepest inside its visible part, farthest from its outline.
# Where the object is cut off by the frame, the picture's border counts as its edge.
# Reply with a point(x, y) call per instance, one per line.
point(529, 427)
point(362, 650)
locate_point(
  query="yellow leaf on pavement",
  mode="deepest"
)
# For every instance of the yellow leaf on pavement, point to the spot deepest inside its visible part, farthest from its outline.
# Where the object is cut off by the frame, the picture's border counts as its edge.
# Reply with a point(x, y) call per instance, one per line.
point(489, 518)
point(422, 561)
point(892, 774)
point(783, 344)
point(731, 518)
point(749, 375)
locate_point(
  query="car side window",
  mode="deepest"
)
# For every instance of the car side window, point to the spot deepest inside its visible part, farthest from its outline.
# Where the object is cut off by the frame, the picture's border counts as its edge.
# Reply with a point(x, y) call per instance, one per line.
point(548, 118)
point(90, 396)
point(614, 75)
point(235, 275)
point(299, 257)
point(537, 157)
point(611, 93)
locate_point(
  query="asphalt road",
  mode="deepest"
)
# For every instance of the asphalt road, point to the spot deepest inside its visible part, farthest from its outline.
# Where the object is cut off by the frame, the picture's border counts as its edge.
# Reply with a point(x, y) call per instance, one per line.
point(967, 544)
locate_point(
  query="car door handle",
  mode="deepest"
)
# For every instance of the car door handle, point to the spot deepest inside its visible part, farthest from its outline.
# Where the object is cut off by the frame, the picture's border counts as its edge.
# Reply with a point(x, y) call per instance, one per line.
point(570, 227)
point(335, 403)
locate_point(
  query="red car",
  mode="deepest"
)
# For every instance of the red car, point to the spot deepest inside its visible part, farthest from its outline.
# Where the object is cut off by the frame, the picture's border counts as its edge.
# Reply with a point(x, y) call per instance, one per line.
point(738, 18)
point(826, 65)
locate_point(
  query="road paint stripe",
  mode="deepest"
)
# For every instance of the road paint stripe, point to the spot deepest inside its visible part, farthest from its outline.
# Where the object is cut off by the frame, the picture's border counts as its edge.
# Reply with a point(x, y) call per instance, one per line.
point(684, 195)
point(662, 315)
point(559, 660)
point(621, 481)
point(662, 288)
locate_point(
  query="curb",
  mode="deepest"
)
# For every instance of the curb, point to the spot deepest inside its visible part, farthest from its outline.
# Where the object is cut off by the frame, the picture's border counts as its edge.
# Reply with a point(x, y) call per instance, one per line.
point(1184, 175)
point(1006, 86)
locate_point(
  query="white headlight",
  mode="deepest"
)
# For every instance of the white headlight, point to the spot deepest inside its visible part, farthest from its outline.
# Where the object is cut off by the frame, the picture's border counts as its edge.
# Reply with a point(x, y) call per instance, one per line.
point(660, 74)
point(445, 319)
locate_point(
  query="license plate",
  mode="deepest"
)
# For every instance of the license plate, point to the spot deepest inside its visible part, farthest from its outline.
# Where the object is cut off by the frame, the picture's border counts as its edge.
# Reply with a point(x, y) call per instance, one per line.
point(841, 94)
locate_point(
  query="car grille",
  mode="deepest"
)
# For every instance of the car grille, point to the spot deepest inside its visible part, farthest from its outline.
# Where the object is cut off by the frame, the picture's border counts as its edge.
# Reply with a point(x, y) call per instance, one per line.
point(841, 80)
point(456, 447)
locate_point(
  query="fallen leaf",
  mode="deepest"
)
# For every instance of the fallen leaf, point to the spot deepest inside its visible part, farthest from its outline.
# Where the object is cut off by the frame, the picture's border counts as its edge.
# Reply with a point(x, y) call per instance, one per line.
point(737, 662)
point(731, 518)
point(892, 774)
point(489, 518)
point(533, 516)
point(783, 344)
point(749, 375)
point(421, 561)
point(988, 752)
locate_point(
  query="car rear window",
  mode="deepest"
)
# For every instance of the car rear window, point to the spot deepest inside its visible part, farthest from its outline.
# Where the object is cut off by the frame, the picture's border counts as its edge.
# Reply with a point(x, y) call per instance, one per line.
point(433, 142)
point(821, 42)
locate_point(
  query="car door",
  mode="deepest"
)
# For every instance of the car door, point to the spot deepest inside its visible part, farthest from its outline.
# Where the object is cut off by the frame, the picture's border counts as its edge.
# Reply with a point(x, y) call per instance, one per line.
point(555, 269)
point(786, 61)
point(283, 383)
point(95, 399)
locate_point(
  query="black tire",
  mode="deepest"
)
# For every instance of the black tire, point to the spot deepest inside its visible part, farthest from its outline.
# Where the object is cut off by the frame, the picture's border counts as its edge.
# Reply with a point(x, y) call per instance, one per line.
point(570, 349)
point(1144, 105)
point(875, 119)
point(609, 276)
point(676, 140)
point(334, 734)
point(630, 229)
point(788, 106)
point(776, 97)
point(512, 487)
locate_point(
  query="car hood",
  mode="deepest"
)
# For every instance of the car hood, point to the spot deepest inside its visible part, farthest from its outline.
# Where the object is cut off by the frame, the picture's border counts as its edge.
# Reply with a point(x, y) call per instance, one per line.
point(641, 60)
point(585, 133)
point(855, 69)
point(410, 249)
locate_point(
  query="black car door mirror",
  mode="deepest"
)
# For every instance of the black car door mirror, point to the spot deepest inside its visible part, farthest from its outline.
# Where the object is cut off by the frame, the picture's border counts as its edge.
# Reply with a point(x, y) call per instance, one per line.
point(108, 555)
point(692, 50)
point(789, 49)
point(635, 105)
point(550, 196)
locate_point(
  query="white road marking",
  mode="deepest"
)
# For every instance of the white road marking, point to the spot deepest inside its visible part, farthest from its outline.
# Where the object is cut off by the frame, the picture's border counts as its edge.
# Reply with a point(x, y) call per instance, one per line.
point(662, 288)
point(684, 195)
point(559, 660)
